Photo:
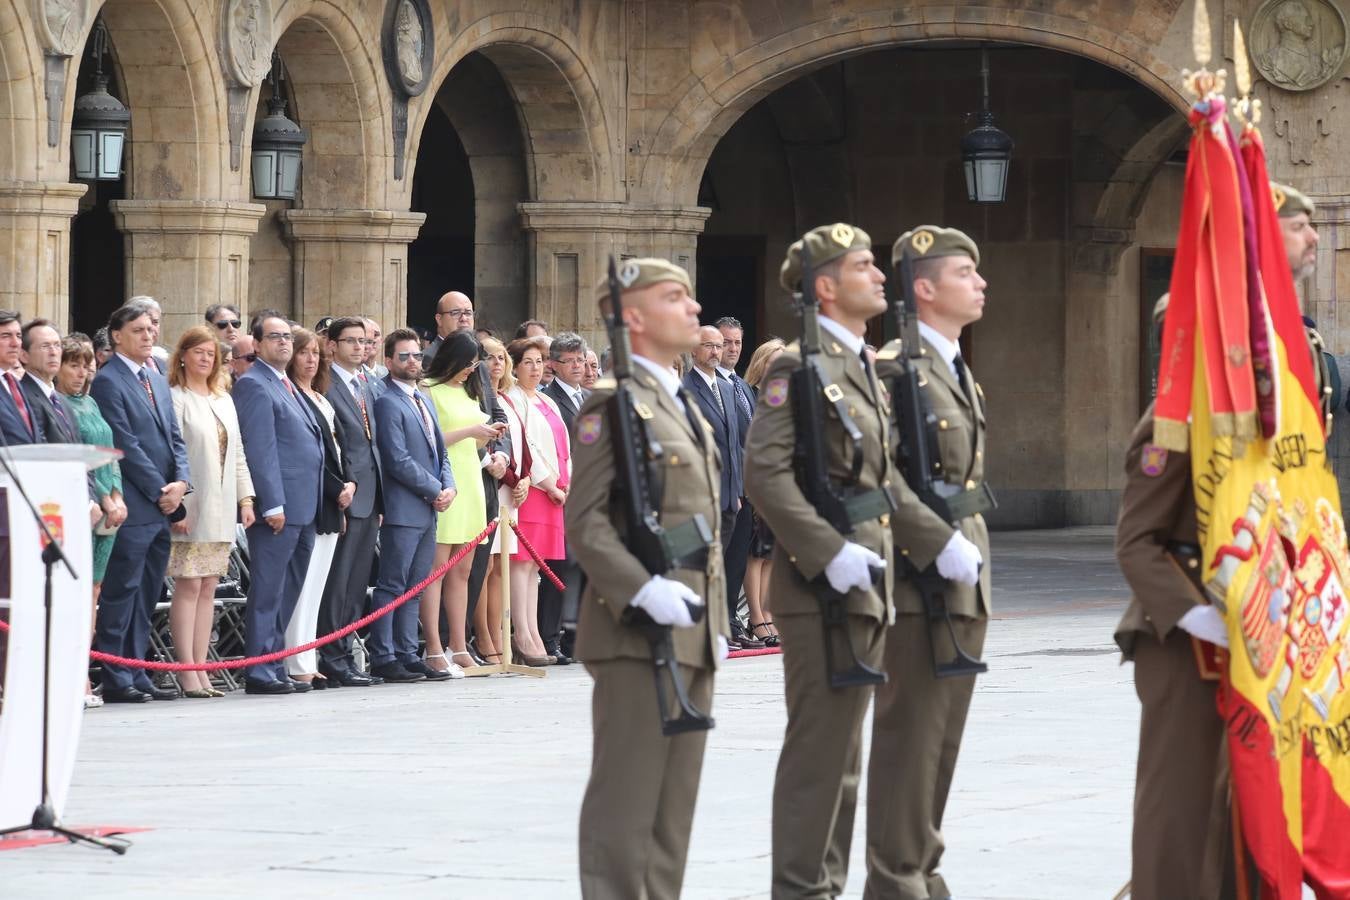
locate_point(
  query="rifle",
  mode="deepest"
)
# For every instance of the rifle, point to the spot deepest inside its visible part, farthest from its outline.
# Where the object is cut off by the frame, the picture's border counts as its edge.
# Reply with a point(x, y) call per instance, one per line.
point(918, 459)
point(640, 484)
point(811, 389)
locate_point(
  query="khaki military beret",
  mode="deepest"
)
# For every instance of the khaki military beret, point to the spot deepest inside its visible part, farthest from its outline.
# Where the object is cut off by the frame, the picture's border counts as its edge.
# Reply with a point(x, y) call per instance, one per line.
point(933, 242)
point(824, 244)
point(1290, 201)
point(635, 274)
point(1160, 308)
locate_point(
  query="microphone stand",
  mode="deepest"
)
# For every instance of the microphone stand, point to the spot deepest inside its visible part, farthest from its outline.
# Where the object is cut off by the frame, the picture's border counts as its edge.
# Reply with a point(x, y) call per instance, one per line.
point(44, 816)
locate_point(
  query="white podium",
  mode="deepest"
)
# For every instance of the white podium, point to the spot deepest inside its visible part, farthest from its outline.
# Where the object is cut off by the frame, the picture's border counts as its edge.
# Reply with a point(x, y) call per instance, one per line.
point(54, 475)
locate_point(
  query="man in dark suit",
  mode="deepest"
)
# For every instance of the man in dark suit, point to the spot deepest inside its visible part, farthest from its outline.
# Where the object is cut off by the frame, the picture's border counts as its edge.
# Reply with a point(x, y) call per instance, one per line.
point(567, 359)
point(718, 403)
point(738, 544)
point(285, 457)
point(135, 401)
point(344, 595)
point(18, 423)
point(418, 484)
point(41, 355)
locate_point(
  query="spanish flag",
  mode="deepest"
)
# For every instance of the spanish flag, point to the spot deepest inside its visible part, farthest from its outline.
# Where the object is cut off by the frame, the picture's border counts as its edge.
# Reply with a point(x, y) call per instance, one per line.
point(1236, 386)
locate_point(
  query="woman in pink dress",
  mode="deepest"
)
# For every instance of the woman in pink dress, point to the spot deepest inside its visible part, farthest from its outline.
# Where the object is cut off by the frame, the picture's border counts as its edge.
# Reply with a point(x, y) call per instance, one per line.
point(541, 515)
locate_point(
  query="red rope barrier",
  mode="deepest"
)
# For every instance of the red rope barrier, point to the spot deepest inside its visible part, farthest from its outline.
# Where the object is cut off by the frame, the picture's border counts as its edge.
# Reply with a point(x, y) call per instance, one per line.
point(534, 554)
point(156, 666)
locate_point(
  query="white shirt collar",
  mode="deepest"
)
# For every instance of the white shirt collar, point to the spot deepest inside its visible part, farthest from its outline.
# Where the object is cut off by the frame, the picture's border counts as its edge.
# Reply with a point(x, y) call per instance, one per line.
point(850, 340)
point(573, 392)
point(408, 389)
point(348, 378)
point(131, 364)
point(728, 374)
point(280, 374)
point(709, 380)
point(47, 389)
point(664, 377)
point(948, 350)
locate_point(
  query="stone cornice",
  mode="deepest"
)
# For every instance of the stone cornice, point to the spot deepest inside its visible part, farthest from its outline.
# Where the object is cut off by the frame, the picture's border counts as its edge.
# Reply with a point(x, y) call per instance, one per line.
point(620, 218)
point(40, 197)
point(187, 216)
point(352, 225)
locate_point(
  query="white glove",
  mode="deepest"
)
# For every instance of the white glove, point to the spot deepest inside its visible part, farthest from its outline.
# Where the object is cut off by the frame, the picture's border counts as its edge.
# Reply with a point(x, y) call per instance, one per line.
point(1206, 623)
point(960, 560)
point(722, 648)
point(664, 600)
point(849, 568)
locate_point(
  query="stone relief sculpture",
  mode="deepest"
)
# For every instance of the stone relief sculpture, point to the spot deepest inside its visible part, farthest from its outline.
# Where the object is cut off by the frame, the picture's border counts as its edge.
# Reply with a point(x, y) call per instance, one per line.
point(248, 40)
point(410, 40)
point(61, 23)
point(1298, 45)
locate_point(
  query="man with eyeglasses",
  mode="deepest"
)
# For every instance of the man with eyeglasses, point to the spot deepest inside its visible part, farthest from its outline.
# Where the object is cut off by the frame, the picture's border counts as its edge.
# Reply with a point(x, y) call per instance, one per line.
point(454, 312)
point(225, 319)
point(41, 355)
point(159, 356)
point(372, 372)
point(244, 355)
point(284, 448)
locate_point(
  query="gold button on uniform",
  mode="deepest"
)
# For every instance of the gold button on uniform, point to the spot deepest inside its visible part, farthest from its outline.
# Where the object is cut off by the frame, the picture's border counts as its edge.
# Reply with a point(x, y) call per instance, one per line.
point(970, 485)
point(942, 424)
point(674, 460)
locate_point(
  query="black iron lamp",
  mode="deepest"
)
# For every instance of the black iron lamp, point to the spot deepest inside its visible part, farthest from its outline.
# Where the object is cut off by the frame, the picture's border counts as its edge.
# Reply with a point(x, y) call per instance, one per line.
point(99, 126)
point(986, 151)
point(278, 143)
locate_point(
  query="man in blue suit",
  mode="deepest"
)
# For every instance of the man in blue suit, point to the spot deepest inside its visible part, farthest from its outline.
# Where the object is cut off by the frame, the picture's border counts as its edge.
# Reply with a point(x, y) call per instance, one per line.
point(285, 458)
point(135, 400)
point(717, 402)
point(738, 544)
point(417, 485)
point(18, 423)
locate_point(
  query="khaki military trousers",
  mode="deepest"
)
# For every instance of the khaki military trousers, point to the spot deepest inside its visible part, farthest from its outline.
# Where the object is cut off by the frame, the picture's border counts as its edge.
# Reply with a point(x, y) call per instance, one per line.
point(816, 789)
point(916, 735)
point(639, 803)
point(1182, 843)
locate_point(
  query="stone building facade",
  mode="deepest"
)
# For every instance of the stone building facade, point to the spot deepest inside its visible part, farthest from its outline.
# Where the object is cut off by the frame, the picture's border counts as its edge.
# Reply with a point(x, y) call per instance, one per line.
point(506, 148)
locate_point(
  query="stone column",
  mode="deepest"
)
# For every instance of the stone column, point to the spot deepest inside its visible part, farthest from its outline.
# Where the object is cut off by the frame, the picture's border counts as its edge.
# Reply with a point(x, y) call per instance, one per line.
point(187, 254)
point(570, 243)
point(35, 255)
point(351, 262)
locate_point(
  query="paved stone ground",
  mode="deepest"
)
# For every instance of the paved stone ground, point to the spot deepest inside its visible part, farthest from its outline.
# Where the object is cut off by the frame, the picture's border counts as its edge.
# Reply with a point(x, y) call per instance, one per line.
point(471, 789)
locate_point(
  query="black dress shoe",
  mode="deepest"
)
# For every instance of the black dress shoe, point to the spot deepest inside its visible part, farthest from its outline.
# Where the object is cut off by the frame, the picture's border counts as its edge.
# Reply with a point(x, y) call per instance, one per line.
point(301, 687)
point(395, 673)
point(740, 636)
point(323, 684)
point(159, 693)
point(267, 687)
point(351, 679)
point(125, 695)
point(426, 670)
point(562, 659)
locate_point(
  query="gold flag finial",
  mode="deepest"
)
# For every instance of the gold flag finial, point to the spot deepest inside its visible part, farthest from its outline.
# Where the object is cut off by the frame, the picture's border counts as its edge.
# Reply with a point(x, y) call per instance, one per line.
point(1200, 37)
point(1242, 67)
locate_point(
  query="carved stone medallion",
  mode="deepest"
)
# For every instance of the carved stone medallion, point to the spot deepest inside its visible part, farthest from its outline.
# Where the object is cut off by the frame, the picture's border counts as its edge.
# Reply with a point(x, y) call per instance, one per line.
point(408, 46)
point(1298, 45)
point(246, 38)
point(60, 24)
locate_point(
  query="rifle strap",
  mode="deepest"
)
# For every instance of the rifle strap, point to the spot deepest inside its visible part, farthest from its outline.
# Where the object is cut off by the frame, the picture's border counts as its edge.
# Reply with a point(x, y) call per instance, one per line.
point(835, 397)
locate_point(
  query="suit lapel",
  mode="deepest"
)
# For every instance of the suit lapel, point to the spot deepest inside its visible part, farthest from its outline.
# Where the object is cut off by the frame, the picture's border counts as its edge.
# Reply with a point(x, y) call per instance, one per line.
point(939, 370)
point(663, 399)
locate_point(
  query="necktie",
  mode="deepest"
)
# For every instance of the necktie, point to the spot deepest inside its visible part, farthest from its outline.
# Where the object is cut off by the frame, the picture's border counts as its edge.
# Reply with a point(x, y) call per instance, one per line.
point(361, 405)
point(426, 420)
point(741, 400)
point(61, 413)
point(717, 395)
point(687, 399)
point(149, 388)
point(867, 370)
point(18, 401)
point(960, 368)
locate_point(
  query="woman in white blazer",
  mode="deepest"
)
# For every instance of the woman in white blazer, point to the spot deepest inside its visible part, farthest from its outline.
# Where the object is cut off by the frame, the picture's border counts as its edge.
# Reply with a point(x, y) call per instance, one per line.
point(222, 494)
point(541, 514)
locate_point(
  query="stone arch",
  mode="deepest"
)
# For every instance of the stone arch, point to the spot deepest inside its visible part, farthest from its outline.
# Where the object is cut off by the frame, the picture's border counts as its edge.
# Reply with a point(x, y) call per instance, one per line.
point(567, 138)
point(164, 49)
point(23, 115)
point(706, 105)
point(337, 81)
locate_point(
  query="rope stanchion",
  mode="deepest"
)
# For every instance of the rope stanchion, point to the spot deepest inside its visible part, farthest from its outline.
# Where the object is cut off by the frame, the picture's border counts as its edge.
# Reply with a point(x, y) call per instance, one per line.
point(157, 666)
point(506, 666)
point(534, 555)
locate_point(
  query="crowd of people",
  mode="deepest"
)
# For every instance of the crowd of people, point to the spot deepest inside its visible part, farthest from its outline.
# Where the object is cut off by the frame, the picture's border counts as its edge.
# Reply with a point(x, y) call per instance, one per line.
point(343, 465)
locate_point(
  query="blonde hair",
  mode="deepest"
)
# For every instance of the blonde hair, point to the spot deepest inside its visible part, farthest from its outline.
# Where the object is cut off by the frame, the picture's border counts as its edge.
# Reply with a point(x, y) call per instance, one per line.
point(216, 381)
point(508, 379)
point(759, 362)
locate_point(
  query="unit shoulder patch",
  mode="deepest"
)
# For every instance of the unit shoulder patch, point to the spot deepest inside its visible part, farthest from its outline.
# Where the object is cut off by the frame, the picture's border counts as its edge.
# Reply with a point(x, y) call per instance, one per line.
point(776, 392)
point(1153, 460)
point(588, 428)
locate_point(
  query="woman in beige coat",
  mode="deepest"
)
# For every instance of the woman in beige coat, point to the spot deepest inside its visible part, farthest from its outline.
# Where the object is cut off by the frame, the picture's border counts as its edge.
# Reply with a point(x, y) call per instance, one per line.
point(221, 489)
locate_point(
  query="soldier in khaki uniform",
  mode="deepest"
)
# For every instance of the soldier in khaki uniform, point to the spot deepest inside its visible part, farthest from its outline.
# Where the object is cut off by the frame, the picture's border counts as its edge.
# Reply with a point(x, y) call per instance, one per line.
point(1182, 839)
point(639, 802)
point(816, 788)
point(919, 719)
point(1300, 245)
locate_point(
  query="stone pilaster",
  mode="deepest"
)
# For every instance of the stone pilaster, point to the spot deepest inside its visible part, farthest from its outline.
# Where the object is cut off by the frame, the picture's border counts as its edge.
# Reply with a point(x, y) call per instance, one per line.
point(35, 248)
point(187, 254)
point(351, 261)
point(570, 243)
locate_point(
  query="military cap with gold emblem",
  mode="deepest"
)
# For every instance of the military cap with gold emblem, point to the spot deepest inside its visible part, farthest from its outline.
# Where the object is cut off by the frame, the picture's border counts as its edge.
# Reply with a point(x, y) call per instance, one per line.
point(825, 244)
point(933, 242)
point(635, 274)
point(1290, 201)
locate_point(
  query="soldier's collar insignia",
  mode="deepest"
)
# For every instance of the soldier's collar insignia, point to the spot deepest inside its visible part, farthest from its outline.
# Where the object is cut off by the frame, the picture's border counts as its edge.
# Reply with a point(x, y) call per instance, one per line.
point(922, 241)
point(588, 428)
point(1153, 460)
point(842, 235)
point(776, 392)
point(628, 273)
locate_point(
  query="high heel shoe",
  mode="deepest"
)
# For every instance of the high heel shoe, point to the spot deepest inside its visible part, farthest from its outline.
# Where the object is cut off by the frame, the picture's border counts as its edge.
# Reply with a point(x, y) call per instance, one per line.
point(537, 662)
point(450, 669)
point(455, 654)
point(769, 638)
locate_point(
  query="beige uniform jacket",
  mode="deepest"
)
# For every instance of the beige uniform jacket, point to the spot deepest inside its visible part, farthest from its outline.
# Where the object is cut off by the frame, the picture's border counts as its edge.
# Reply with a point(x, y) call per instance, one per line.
point(919, 533)
point(692, 474)
point(805, 542)
point(1157, 506)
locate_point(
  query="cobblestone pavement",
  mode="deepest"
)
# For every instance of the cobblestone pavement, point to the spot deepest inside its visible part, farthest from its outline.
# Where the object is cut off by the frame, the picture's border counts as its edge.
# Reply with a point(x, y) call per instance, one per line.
point(471, 789)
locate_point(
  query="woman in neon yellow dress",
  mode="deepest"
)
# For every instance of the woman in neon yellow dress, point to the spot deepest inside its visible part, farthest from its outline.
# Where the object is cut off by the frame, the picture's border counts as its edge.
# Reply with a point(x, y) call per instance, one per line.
point(453, 383)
